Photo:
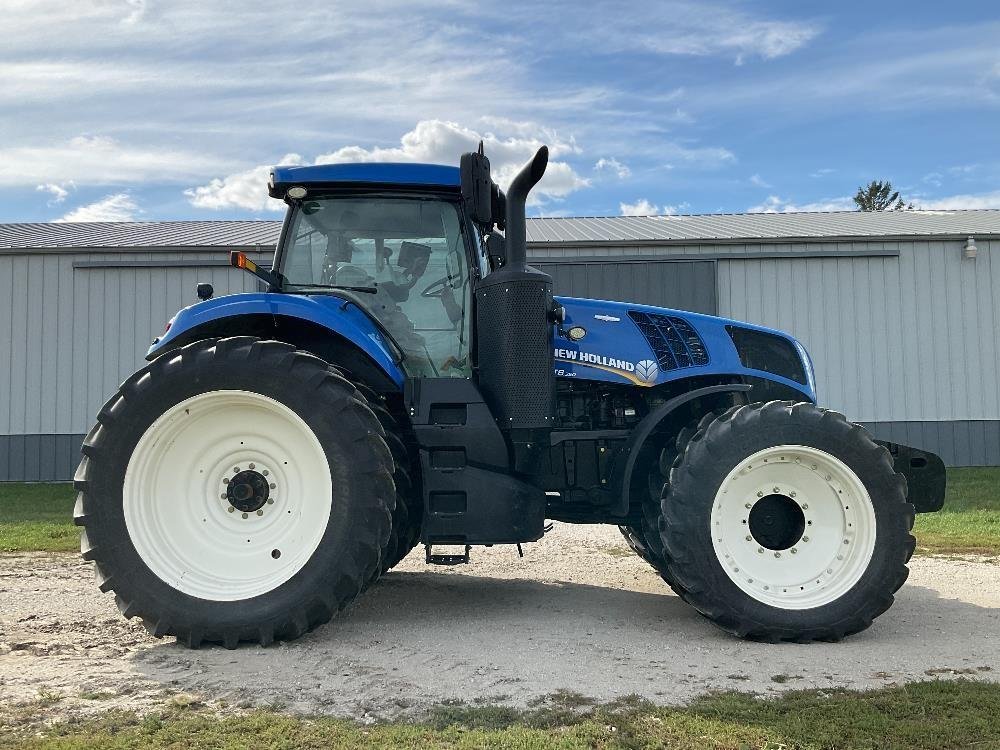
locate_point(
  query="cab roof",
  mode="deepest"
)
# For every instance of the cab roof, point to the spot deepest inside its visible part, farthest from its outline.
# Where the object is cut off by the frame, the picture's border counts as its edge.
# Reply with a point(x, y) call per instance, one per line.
point(389, 174)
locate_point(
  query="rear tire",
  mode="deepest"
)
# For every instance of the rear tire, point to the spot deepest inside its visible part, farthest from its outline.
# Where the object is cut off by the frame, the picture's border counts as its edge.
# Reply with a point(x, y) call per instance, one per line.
point(785, 522)
point(235, 490)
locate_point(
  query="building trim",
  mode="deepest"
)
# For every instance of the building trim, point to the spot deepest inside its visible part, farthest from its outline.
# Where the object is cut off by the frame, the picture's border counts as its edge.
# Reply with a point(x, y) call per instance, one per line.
point(710, 256)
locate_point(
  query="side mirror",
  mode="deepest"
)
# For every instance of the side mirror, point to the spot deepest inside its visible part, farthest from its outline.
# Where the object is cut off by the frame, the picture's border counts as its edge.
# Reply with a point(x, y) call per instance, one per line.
point(476, 187)
point(496, 253)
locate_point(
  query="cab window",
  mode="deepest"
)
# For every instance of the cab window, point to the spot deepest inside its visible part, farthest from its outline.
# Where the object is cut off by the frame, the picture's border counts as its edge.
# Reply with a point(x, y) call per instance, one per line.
point(411, 251)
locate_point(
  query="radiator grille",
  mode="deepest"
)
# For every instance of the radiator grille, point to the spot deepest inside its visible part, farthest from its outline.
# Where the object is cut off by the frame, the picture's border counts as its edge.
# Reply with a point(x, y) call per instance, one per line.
point(674, 342)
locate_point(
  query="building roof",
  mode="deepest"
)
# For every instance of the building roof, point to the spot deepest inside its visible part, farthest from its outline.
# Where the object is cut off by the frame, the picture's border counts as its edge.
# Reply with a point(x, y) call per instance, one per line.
point(622, 230)
point(431, 175)
point(140, 234)
point(710, 228)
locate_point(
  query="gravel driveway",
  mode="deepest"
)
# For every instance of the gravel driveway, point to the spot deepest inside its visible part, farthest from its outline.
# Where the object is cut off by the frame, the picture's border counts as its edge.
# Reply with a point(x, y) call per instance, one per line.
point(579, 612)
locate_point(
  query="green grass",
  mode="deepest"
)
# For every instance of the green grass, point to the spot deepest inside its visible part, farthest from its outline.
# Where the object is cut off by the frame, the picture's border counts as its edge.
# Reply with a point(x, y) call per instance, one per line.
point(934, 714)
point(39, 517)
point(970, 519)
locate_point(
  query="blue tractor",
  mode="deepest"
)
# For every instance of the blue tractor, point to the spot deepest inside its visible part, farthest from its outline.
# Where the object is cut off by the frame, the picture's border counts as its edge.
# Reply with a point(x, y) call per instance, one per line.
point(407, 378)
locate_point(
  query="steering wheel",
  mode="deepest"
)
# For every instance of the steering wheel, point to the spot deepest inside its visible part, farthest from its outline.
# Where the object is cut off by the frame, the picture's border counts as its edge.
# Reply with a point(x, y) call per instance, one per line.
point(436, 288)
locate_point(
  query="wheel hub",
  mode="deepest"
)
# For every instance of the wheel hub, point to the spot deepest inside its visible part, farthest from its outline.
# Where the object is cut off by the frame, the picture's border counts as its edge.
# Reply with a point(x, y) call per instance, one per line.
point(248, 491)
point(776, 522)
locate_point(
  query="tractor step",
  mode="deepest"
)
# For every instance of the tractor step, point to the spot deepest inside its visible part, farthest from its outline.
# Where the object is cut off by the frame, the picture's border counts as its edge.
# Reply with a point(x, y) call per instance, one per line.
point(446, 558)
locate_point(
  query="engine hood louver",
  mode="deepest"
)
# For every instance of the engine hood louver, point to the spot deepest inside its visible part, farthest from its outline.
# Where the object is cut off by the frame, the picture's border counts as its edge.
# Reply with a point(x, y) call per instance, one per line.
point(673, 340)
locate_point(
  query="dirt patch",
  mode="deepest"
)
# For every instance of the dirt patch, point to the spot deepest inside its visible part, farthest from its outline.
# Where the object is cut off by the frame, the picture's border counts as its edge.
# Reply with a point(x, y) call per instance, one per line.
point(568, 616)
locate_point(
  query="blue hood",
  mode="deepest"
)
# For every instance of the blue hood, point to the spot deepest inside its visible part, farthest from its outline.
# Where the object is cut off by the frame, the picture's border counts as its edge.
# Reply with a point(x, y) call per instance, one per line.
point(648, 346)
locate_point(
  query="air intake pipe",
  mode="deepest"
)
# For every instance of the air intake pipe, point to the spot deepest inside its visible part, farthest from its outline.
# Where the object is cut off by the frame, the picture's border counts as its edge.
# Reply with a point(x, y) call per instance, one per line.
point(515, 335)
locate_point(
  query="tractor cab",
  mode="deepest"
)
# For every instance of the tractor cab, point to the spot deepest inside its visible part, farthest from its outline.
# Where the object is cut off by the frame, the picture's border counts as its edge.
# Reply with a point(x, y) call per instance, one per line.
point(406, 259)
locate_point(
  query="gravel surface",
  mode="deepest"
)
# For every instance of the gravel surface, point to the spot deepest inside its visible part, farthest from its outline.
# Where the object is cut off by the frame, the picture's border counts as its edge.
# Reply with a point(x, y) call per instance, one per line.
point(579, 612)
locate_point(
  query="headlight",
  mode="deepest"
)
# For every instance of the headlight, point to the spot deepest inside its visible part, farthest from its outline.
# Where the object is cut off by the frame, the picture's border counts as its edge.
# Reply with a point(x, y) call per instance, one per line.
point(765, 351)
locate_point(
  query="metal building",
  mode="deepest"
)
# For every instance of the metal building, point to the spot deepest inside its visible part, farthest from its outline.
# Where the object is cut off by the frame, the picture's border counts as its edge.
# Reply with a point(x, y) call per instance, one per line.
point(898, 310)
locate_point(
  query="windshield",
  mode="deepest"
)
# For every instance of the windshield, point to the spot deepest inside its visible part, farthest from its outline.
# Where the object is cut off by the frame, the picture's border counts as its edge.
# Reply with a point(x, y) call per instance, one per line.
point(410, 250)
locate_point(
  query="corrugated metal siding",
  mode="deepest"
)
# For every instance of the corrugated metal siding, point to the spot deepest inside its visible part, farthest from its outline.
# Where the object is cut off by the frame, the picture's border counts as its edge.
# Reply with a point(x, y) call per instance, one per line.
point(39, 458)
point(680, 284)
point(972, 443)
point(73, 334)
point(905, 339)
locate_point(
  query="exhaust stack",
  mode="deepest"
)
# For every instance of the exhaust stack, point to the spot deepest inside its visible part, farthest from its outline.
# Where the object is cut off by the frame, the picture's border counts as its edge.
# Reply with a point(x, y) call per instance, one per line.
point(514, 326)
point(515, 236)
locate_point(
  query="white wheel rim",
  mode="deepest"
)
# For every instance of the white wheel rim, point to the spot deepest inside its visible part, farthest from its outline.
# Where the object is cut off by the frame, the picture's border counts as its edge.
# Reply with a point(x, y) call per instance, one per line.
point(837, 519)
point(177, 495)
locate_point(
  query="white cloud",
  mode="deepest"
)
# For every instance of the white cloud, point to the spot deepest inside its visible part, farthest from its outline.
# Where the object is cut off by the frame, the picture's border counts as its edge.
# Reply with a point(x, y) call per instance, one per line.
point(822, 172)
point(117, 207)
point(958, 202)
point(430, 141)
point(441, 142)
point(612, 165)
point(97, 160)
point(757, 180)
point(643, 207)
point(698, 29)
point(247, 189)
point(776, 205)
point(58, 192)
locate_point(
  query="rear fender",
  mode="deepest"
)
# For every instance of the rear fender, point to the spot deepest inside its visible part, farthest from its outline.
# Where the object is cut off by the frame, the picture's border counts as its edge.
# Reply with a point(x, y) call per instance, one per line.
point(327, 325)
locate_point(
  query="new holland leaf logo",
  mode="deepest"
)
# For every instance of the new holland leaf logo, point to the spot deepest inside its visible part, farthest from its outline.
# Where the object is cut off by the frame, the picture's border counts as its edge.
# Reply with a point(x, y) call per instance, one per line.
point(646, 370)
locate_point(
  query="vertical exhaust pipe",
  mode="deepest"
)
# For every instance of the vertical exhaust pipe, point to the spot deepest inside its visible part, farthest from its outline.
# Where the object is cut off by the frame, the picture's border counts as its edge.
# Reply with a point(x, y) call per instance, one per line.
point(514, 335)
point(515, 234)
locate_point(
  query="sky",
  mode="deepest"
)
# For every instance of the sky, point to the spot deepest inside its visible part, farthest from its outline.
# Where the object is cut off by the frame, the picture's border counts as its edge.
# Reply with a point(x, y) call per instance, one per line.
point(147, 110)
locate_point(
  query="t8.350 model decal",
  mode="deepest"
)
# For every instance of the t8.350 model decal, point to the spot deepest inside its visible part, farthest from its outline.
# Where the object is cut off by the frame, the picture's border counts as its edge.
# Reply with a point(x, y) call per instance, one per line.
point(642, 373)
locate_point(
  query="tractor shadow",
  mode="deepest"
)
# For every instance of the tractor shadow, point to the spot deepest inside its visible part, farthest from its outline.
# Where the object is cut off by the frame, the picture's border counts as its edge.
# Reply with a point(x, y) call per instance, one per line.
point(421, 638)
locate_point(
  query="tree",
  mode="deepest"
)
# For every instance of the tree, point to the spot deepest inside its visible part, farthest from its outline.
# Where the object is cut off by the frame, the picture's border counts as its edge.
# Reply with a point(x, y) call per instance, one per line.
point(879, 196)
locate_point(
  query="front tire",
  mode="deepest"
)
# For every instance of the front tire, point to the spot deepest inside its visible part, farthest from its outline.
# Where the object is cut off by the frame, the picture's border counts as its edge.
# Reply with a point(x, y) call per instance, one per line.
point(785, 522)
point(235, 490)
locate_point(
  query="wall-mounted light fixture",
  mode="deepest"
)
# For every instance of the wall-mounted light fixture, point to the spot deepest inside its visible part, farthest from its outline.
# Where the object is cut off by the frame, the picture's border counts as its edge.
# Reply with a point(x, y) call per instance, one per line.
point(970, 250)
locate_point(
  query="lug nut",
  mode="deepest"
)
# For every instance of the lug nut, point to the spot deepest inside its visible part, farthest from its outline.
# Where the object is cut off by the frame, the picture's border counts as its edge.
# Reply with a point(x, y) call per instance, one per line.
point(265, 472)
point(805, 539)
point(236, 470)
point(760, 550)
point(270, 501)
point(760, 494)
point(232, 509)
point(245, 515)
point(777, 490)
point(224, 495)
point(260, 512)
point(272, 485)
point(805, 506)
point(777, 554)
point(225, 480)
point(749, 538)
point(252, 466)
point(791, 494)
point(793, 550)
